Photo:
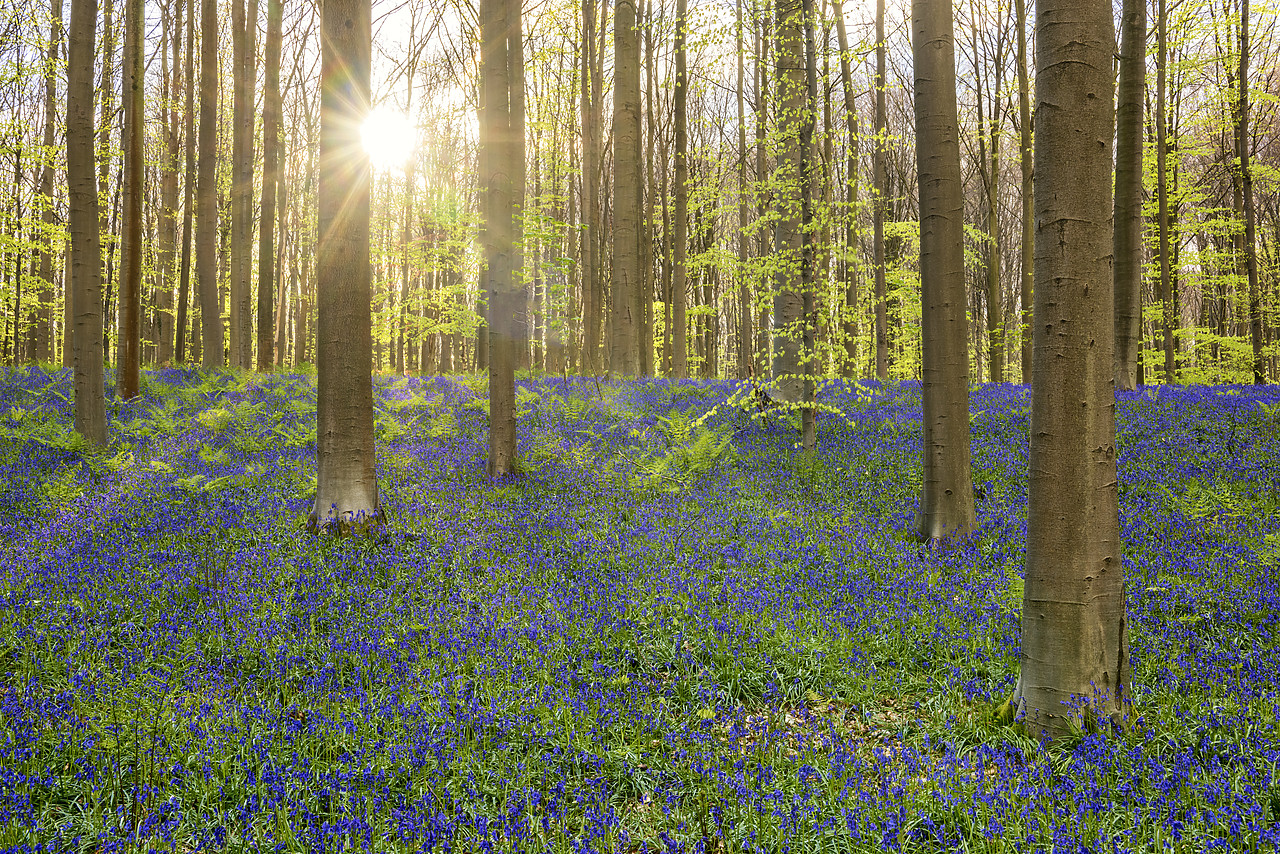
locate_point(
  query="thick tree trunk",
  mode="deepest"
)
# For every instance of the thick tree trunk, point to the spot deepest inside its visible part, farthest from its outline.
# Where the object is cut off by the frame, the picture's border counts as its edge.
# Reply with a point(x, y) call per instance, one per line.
point(878, 203)
point(788, 291)
point(1127, 229)
point(946, 501)
point(1075, 662)
point(207, 189)
point(624, 352)
point(679, 284)
point(499, 26)
point(270, 182)
point(86, 260)
point(346, 487)
point(128, 343)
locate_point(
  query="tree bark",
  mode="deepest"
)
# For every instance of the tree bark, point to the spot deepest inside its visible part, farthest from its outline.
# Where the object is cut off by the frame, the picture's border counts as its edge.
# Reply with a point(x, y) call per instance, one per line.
point(346, 487)
point(789, 240)
point(625, 353)
point(1028, 215)
point(1168, 322)
point(1074, 661)
point(207, 189)
point(946, 500)
point(1250, 215)
point(128, 343)
point(168, 227)
point(849, 262)
point(1127, 229)
point(42, 319)
point(744, 193)
point(270, 184)
point(86, 252)
point(878, 203)
point(679, 284)
point(189, 184)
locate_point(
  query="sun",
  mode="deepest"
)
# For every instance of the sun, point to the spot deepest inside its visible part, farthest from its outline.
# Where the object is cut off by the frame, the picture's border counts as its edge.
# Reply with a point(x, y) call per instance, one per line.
point(389, 138)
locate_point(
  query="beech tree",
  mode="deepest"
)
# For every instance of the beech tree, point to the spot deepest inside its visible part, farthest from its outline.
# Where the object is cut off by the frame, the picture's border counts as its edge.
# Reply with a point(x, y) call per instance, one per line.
point(946, 501)
point(1127, 275)
point(207, 190)
point(346, 485)
point(129, 343)
point(625, 350)
point(1075, 657)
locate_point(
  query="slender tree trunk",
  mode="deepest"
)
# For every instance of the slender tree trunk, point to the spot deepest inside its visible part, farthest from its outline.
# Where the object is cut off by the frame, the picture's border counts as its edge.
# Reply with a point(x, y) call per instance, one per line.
point(1127, 229)
point(647, 228)
point(765, 235)
point(128, 344)
point(946, 501)
point(1028, 215)
point(1074, 661)
point(808, 356)
point(519, 331)
point(1246, 187)
point(1162, 192)
point(878, 203)
point(346, 487)
point(625, 352)
point(86, 261)
point(270, 182)
point(744, 194)
point(168, 227)
point(679, 318)
point(207, 189)
point(42, 320)
point(849, 263)
point(789, 240)
point(189, 184)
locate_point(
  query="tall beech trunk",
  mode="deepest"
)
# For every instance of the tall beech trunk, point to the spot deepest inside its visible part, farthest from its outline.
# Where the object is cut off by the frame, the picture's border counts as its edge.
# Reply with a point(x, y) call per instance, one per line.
point(270, 184)
point(808, 354)
point(86, 251)
point(647, 367)
point(789, 239)
point(207, 190)
point(848, 264)
point(680, 265)
point(128, 342)
point(1074, 661)
point(42, 316)
point(946, 500)
point(168, 226)
point(189, 184)
point(519, 331)
point(591, 97)
point(1243, 142)
point(878, 203)
point(346, 487)
point(1127, 229)
point(624, 356)
point(1028, 216)
point(1168, 323)
point(499, 146)
point(744, 191)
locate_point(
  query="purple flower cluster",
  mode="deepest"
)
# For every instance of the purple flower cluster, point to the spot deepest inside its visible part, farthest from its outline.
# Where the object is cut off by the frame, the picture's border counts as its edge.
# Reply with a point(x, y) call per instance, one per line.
point(752, 654)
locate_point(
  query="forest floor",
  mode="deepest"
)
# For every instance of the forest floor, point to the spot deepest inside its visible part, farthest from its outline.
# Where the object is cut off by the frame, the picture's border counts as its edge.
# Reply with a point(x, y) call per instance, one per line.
point(673, 632)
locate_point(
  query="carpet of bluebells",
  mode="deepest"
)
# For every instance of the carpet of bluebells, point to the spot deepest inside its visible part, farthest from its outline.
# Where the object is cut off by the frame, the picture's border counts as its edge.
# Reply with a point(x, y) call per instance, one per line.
point(673, 632)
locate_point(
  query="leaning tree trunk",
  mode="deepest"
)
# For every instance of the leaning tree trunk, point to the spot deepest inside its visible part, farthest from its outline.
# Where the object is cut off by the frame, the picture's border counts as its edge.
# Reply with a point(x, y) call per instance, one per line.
point(1127, 229)
point(789, 238)
point(1074, 662)
point(207, 189)
point(270, 182)
point(946, 500)
point(624, 358)
point(1246, 189)
point(86, 251)
point(128, 344)
point(499, 24)
point(346, 486)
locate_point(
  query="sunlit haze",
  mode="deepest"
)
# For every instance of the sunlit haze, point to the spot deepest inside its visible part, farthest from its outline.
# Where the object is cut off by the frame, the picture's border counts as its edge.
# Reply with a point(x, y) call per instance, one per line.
point(388, 137)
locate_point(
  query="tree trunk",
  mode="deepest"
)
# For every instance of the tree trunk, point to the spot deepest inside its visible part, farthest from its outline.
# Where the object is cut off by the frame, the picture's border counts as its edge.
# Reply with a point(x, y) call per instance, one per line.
point(519, 331)
point(499, 26)
point(1162, 193)
point(1246, 189)
point(168, 226)
point(590, 191)
point(42, 316)
point(646, 231)
point(189, 184)
point(679, 286)
point(878, 203)
point(1028, 214)
point(270, 181)
point(86, 260)
point(744, 193)
point(1075, 667)
point(808, 356)
point(128, 344)
point(946, 500)
point(207, 189)
point(788, 292)
point(1127, 229)
point(346, 488)
point(849, 262)
point(625, 352)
